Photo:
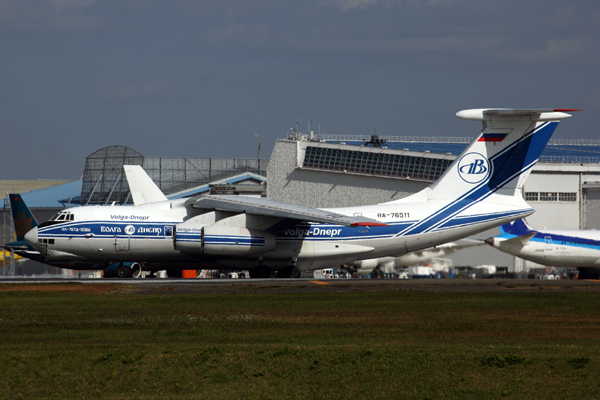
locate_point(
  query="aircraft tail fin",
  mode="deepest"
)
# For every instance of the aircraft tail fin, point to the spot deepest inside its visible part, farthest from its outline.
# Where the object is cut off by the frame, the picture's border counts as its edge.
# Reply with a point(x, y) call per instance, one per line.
point(23, 218)
point(501, 157)
point(142, 187)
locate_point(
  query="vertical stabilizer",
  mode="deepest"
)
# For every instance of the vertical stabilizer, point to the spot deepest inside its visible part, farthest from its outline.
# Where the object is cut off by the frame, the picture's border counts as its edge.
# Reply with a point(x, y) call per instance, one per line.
point(518, 227)
point(22, 216)
point(142, 187)
point(500, 158)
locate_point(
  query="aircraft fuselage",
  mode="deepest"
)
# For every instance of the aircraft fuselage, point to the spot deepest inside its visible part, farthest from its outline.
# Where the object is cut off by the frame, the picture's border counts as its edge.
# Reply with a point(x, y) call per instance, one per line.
point(154, 233)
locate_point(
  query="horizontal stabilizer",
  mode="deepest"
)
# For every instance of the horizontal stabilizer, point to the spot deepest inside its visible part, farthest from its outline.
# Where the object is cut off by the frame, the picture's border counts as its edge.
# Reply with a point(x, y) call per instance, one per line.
point(142, 187)
point(521, 240)
point(16, 246)
point(271, 208)
point(533, 114)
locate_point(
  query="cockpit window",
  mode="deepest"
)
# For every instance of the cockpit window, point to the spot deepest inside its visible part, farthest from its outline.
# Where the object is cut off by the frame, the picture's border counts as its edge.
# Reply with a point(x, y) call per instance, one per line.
point(63, 216)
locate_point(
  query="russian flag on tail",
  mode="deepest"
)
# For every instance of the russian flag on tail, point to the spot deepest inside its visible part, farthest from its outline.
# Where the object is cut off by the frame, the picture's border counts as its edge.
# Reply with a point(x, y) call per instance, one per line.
point(492, 137)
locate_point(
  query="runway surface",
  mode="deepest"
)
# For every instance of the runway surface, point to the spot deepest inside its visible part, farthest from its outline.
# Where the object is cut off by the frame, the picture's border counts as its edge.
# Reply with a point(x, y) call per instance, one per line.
point(225, 286)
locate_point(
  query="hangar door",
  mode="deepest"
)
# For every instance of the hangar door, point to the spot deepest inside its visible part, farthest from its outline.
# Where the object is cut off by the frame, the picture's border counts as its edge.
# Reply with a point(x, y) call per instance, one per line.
point(591, 206)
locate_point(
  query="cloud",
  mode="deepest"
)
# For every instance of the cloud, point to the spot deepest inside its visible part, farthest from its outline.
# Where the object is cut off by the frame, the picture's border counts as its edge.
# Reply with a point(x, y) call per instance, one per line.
point(345, 5)
point(123, 91)
point(352, 4)
point(48, 15)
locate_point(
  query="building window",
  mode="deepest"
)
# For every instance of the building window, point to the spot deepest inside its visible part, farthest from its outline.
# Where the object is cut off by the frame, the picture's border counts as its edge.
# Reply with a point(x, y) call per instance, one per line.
point(548, 196)
point(383, 164)
point(567, 197)
point(551, 196)
point(531, 196)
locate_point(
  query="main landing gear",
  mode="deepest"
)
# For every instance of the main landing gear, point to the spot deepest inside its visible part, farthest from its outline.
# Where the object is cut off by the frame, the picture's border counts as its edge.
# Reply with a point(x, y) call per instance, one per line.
point(290, 272)
point(125, 270)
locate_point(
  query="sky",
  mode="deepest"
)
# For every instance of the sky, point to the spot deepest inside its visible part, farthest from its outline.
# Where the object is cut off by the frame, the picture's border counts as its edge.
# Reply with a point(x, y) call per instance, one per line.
point(198, 79)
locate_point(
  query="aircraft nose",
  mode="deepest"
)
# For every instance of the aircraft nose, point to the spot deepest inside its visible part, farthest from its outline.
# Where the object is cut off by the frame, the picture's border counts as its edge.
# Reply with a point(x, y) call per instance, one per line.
point(32, 237)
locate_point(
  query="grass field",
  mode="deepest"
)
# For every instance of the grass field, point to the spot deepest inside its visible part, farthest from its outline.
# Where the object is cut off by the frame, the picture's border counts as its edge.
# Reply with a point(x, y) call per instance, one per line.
point(83, 343)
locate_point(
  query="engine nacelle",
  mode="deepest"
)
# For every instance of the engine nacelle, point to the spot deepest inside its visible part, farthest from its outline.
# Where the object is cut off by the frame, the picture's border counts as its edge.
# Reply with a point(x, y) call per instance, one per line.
point(222, 240)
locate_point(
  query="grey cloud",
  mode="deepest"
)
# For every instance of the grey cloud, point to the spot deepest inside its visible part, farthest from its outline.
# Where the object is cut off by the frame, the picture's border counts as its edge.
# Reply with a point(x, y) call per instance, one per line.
point(123, 91)
point(48, 15)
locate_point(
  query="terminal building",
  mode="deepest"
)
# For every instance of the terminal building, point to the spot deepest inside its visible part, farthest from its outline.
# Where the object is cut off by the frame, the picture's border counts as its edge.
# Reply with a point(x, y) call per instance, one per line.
point(337, 171)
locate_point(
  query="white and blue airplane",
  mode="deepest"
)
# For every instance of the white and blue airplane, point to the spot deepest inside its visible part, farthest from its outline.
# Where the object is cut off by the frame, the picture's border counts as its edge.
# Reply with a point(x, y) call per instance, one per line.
point(556, 248)
point(479, 191)
point(24, 221)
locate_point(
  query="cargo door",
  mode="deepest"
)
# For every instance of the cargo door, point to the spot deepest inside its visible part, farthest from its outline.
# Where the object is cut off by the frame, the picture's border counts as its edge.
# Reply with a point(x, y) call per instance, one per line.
point(121, 243)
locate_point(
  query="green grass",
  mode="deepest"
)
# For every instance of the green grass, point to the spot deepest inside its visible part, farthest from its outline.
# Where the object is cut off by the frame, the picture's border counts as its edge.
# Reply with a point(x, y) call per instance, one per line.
point(411, 345)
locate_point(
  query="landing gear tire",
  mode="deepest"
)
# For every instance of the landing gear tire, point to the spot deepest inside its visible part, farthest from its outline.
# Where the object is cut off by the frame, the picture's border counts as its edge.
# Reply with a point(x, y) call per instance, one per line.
point(290, 272)
point(260, 272)
point(123, 272)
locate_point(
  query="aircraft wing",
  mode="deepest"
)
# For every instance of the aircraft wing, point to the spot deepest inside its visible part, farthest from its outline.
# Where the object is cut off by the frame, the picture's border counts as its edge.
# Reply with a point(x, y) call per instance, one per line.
point(271, 208)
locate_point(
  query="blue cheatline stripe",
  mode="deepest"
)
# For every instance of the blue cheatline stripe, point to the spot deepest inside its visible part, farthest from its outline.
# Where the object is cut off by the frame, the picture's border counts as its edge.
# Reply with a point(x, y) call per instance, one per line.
point(78, 229)
point(466, 221)
point(560, 240)
point(349, 234)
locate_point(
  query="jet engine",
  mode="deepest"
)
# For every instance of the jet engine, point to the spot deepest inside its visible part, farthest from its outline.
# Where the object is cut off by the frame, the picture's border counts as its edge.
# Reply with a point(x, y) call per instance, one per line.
point(222, 240)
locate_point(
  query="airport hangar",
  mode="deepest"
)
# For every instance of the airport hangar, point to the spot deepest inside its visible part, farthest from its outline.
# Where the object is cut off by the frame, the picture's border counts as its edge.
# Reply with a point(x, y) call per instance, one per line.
point(339, 171)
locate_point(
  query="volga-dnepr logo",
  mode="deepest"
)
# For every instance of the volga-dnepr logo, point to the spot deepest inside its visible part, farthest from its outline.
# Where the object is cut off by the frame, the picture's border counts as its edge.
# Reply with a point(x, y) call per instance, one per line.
point(130, 230)
point(474, 168)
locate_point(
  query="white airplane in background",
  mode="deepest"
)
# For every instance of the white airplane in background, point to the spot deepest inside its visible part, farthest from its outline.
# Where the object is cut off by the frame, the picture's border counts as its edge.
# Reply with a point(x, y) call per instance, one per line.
point(479, 191)
point(389, 265)
point(557, 248)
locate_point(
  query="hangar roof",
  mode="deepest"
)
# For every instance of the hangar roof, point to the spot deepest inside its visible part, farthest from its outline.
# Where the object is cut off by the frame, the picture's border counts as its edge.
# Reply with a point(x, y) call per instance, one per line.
point(54, 197)
point(69, 194)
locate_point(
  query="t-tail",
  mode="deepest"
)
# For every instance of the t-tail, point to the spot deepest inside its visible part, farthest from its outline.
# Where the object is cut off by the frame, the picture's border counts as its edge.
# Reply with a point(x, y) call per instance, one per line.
point(501, 157)
point(483, 185)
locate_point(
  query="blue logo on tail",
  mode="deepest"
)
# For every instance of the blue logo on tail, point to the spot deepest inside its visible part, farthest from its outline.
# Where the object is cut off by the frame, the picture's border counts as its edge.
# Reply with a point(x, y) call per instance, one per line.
point(474, 168)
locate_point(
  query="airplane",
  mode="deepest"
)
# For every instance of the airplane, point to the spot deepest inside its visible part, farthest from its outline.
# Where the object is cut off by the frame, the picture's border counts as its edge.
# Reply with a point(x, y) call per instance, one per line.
point(388, 265)
point(558, 248)
point(479, 191)
point(24, 221)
